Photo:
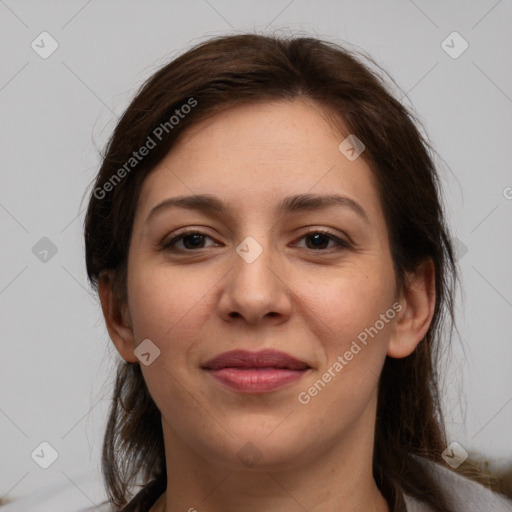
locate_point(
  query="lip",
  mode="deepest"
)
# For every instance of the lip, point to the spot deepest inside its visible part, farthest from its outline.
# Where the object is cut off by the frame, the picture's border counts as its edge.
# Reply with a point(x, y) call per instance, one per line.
point(255, 372)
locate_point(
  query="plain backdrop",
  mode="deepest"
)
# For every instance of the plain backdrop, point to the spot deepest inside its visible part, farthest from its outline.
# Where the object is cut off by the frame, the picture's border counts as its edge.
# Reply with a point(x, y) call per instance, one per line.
point(57, 112)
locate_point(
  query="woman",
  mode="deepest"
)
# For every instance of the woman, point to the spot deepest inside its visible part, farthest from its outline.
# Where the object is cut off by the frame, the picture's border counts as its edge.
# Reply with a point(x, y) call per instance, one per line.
point(274, 268)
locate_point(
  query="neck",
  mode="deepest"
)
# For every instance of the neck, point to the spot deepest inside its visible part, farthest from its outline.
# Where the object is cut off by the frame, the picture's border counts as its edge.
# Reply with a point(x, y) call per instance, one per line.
point(329, 479)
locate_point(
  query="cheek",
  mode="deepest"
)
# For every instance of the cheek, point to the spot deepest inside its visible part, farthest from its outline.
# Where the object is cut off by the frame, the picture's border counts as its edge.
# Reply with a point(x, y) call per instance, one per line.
point(168, 306)
point(354, 345)
point(165, 301)
point(350, 301)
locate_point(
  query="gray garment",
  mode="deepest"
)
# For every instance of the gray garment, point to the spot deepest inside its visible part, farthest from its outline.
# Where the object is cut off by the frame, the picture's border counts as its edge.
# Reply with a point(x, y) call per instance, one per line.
point(465, 495)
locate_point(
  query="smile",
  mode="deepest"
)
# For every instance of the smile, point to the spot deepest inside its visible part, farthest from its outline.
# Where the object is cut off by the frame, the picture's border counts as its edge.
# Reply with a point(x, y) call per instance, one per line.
point(255, 372)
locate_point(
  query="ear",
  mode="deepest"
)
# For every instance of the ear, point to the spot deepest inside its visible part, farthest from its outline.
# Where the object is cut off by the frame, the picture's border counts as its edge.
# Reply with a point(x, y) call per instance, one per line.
point(413, 320)
point(117, 318)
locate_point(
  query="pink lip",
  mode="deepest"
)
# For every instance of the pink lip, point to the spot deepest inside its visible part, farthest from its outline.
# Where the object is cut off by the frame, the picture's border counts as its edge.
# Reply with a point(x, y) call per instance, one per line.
point(255, 372)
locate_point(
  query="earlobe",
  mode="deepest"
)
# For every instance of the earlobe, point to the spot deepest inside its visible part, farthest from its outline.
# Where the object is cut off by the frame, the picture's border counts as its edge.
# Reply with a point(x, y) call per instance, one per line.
point(117, 318)
point(418, 302)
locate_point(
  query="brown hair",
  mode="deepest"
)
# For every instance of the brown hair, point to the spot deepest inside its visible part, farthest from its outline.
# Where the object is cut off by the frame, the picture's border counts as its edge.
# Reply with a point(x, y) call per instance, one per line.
point(230, 70)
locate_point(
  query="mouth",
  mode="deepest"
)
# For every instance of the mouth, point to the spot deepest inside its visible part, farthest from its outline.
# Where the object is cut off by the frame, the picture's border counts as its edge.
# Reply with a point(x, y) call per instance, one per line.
point(255, 372)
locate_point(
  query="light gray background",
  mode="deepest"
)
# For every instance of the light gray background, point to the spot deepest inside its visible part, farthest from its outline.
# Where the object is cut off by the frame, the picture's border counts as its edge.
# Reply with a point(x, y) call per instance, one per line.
point(56, 360)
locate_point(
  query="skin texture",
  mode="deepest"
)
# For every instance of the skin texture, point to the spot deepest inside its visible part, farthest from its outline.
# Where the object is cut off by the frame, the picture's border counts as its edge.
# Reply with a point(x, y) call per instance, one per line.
point(309, 302)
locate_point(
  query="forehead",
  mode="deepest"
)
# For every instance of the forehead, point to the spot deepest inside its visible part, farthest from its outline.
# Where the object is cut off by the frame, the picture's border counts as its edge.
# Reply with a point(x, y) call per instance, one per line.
point(254, 154)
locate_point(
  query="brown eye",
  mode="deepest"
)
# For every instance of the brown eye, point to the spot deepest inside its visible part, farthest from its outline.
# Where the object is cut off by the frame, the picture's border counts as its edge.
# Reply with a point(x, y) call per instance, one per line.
point(319, 240)
point(190, 240)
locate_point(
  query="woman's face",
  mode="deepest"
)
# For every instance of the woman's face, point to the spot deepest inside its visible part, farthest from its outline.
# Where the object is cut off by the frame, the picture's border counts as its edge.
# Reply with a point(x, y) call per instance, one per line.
point(261, 275)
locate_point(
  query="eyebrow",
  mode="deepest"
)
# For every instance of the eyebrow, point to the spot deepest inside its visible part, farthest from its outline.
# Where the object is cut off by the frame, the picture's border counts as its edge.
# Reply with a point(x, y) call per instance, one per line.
point(297, 203)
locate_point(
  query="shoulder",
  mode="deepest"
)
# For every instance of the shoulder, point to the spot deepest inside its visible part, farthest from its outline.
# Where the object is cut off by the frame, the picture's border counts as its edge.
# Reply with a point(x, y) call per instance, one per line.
point(464, 494)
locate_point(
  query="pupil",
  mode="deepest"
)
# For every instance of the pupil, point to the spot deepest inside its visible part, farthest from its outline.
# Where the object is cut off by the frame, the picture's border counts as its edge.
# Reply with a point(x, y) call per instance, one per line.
point(318, 237)
point(197, 237)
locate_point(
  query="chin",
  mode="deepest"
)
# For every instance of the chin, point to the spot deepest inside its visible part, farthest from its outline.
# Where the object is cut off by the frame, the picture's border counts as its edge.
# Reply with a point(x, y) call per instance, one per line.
point(267, 449)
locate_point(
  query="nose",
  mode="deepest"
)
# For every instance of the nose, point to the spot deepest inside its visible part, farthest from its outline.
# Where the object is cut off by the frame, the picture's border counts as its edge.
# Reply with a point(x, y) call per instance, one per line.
point(255, 289)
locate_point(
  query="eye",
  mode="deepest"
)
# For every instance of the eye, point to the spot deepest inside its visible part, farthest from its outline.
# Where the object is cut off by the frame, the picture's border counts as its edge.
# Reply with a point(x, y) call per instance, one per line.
point(190, 240)
point(320, 239)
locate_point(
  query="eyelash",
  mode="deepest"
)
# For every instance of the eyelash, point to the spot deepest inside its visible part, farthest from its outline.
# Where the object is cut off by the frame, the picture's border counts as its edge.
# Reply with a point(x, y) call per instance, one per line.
point(342, 245)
